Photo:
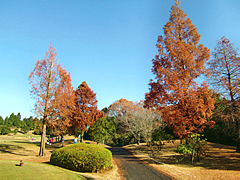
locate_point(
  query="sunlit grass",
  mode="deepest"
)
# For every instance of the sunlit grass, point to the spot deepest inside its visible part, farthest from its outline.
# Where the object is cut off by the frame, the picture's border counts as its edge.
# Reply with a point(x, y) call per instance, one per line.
point(29, 170)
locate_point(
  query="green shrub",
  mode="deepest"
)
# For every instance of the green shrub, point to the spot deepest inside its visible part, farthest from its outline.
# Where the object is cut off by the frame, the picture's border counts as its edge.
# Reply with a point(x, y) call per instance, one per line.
point(4, 129)
point(82, 157)
point(194, 148)
point(15, 131)
point(37, 132)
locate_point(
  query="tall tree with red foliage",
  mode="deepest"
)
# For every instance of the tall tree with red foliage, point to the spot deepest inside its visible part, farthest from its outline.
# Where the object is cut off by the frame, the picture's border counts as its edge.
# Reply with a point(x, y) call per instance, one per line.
point(62, 105)
point(225, 78)
point(185, 106)
point(51, 89)
point(85, 111)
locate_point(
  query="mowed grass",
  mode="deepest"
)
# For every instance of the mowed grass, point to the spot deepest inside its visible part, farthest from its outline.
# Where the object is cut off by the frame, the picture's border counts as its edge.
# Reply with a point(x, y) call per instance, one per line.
point(30, 170)
point(14, 148)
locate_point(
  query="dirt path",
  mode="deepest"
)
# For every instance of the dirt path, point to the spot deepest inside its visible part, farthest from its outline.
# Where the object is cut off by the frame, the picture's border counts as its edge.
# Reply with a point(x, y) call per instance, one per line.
point(131, 167)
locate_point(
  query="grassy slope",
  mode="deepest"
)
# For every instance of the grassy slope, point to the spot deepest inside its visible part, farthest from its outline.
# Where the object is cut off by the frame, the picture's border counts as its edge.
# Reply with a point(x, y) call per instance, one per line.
point(12, 170)
point(22, 147)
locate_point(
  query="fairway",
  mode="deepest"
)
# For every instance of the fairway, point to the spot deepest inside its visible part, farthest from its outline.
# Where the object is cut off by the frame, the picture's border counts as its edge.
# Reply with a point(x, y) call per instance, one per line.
point(14, 148)
point(18, 147)
point(30, 170)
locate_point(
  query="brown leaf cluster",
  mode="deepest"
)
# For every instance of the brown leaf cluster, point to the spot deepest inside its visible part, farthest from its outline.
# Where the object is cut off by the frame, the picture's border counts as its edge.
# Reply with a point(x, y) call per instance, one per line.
point(85, 111)
point(174, 91)
point(60, 107)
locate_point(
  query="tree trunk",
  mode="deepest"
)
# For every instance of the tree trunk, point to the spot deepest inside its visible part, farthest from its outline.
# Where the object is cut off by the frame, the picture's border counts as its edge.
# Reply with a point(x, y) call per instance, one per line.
point(138, 141)
point(238, 135)
point(193, 155)
point(42, 145)
point(82, 136)
point(152, 150)
point(236, 119)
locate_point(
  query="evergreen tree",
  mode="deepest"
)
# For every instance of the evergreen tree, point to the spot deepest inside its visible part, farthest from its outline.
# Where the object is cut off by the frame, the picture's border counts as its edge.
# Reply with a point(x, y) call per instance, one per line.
point(1, 120)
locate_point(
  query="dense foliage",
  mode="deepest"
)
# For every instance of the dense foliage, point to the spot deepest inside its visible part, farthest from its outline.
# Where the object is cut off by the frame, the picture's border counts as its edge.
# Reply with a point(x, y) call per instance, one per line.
point(15, 122)
point(103, 130)
point(85, 111)
point(194, 148)
point(82, 157)
point(185, 105)
point(52, 92)
point(4, 129)
point(224, 131)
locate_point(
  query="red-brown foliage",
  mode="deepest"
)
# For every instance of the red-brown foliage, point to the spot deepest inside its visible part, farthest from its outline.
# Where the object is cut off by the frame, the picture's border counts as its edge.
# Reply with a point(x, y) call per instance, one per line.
point(85, 111)
point(52, 91)
point(180, 60)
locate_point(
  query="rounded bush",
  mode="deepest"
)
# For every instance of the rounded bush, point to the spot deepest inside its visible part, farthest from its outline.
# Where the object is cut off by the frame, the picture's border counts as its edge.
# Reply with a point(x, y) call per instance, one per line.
point(82, 157)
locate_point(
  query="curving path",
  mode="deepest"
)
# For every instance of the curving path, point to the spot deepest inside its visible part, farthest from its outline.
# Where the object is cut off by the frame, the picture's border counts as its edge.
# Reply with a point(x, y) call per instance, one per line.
point(130, 167)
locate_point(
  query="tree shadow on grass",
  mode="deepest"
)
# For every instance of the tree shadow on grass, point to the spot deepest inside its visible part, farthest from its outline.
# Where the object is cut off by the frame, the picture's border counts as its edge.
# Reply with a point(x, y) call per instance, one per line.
point(4, 147)
point(7, 148)
point(217, 157)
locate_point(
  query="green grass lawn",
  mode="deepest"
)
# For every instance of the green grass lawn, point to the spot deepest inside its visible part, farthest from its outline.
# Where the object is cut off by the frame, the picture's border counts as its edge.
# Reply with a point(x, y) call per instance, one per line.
point(29, 170)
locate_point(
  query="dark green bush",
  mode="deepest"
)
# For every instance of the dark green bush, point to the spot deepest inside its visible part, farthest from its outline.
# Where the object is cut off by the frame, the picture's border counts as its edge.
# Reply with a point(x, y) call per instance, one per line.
point(4, 129)
point(15, 131)
point(82, 157)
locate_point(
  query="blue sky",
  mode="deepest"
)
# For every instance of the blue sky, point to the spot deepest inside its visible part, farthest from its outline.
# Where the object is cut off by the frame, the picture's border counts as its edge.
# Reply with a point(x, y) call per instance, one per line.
point(107, 43)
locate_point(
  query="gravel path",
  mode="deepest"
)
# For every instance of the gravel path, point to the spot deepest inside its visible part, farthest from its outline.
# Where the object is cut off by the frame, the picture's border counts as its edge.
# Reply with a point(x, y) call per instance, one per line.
point(130, 167)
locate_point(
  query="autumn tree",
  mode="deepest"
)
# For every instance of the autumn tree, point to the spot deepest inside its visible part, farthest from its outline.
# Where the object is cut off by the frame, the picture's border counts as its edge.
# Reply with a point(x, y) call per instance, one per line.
point(85, 111)
point(133, 118)
point(123, 110)
point(50, 86)
point(225, 78)
point(61, 107)
point(148, 121)
point(185, 105)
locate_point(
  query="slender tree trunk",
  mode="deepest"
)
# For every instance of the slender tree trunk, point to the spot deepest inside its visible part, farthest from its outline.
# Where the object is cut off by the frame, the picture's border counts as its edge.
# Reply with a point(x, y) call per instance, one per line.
point(193, 155)
point(42, 145)
point(238, 134)
point(236, 119)
point(82, 136)
point(138, 139)
point(152, 148)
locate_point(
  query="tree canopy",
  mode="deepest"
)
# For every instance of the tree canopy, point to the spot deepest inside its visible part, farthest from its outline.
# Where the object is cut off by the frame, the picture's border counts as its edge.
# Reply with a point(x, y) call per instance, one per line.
point(225, 74)
point(185, 105)
point(48, 78)
point(85, 111)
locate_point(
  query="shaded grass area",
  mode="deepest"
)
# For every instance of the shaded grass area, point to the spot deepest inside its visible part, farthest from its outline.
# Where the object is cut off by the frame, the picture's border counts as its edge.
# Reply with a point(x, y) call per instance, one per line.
point(29, 170)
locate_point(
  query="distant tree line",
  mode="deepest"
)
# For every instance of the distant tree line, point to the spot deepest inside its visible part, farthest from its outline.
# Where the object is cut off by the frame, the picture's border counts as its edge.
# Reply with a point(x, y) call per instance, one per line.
point(15, 122)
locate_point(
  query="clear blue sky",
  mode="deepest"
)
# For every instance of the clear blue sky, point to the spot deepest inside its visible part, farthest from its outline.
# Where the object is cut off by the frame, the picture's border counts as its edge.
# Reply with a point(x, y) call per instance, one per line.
point(107, 43)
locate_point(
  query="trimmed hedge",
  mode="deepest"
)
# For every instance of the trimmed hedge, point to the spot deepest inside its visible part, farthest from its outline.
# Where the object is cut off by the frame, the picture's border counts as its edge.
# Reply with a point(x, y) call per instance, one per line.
point(82, 157)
